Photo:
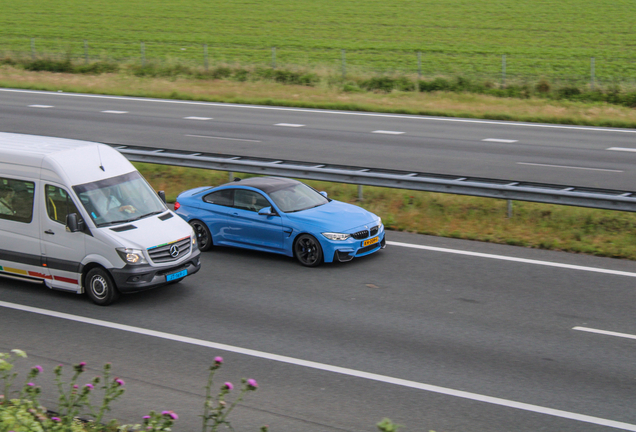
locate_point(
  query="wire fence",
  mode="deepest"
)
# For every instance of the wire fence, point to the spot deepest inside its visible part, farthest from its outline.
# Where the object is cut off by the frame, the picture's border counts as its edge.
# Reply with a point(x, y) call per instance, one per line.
point(500, 68)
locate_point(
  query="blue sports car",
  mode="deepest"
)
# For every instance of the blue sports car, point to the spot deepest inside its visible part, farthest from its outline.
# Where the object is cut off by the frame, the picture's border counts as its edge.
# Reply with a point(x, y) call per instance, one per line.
point(280, 215)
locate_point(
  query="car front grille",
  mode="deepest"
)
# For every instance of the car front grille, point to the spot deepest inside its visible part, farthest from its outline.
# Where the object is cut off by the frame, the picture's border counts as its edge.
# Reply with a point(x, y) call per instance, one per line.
point(360, 235)
point(171, 251)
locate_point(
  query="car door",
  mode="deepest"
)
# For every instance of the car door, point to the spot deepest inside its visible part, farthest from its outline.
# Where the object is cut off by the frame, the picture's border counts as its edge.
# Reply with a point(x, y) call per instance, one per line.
point(249, 229)
point(63, 250)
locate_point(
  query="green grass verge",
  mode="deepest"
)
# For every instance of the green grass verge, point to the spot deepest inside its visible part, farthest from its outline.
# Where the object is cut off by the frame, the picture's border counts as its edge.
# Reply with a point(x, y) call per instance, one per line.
point(572, 229)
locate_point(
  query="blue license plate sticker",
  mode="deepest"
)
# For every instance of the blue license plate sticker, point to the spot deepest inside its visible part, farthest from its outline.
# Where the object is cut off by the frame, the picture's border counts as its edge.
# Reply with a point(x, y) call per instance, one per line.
point(177, 275)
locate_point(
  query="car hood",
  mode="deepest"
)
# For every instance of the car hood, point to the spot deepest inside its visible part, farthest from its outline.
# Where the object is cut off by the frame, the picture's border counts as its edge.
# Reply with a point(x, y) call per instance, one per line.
point(335, 216)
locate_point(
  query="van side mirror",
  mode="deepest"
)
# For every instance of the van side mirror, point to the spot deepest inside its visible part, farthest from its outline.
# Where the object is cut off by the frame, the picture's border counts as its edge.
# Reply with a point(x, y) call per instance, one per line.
point(73, 223)
point(162, 195)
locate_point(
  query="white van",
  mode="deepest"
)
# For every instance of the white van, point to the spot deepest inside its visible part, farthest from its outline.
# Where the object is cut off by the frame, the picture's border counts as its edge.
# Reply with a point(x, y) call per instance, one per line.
point(79, 217)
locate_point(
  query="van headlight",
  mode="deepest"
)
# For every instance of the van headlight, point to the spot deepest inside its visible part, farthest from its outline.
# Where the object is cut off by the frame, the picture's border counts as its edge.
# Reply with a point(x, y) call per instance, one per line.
point(132, 256)
point(336, 236)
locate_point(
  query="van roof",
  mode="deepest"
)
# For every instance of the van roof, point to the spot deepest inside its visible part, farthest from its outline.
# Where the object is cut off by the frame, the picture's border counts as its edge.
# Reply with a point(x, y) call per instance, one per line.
point(73, 161)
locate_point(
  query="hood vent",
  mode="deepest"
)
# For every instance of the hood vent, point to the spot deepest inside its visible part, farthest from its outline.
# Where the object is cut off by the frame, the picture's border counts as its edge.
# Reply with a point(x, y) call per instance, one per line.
point(165, 217)
point(124, 228)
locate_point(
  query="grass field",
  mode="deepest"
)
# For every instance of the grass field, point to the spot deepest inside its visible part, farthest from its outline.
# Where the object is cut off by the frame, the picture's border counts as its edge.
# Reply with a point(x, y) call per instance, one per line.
point(457, 37)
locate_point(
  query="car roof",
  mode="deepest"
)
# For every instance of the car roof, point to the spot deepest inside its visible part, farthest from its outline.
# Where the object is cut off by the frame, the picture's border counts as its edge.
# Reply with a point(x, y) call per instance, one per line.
point(266, 184)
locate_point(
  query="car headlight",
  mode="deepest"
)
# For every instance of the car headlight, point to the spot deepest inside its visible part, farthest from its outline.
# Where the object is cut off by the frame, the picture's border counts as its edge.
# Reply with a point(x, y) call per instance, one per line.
point(379, 221)
point(132, 256)
point(336, 236)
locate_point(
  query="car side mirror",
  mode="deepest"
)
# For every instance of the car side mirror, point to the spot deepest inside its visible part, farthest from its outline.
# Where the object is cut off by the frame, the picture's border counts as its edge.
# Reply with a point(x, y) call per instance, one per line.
point(74, 223)
point(323, 193)
point(266, 211)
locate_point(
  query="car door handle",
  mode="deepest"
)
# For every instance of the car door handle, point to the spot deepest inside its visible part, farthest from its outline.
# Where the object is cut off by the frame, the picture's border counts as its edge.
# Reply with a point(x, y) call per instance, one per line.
point(48, 231)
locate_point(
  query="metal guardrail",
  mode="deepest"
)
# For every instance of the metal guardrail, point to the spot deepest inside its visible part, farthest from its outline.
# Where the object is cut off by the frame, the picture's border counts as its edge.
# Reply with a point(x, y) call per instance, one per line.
point(474, 186)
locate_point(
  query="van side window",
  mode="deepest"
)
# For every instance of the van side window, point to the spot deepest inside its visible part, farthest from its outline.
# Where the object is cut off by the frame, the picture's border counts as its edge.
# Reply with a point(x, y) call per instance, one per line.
point(16, 200)
point(58, 204)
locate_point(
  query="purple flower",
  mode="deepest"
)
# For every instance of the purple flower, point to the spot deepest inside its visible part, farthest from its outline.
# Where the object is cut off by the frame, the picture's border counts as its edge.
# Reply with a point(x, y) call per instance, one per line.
point(145, 417)
point(218, 360)
point(75, 386)
point(38, 368)
point(90, 386)
point(170, 414)
point(120, 382)
point(252, 384)
point(55, 419)
point(30, 384)
point(228, 385)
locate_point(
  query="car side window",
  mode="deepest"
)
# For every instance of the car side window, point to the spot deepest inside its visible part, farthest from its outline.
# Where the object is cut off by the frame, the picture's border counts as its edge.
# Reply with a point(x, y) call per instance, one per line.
point(59, 204)
point(16, 200)
point(223, 197)
point(249, 200)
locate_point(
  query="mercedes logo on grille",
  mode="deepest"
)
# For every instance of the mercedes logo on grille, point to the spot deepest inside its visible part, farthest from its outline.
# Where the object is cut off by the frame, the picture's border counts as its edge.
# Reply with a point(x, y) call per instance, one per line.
point(174, 251)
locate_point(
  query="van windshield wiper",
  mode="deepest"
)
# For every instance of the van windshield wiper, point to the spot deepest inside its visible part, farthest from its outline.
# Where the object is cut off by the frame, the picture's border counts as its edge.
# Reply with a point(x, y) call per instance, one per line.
point(146, 215)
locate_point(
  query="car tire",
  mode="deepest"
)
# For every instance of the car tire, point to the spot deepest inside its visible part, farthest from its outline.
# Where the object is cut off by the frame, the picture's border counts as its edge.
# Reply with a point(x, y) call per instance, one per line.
point(308, 251)
point(100, 287)
point(204, 237)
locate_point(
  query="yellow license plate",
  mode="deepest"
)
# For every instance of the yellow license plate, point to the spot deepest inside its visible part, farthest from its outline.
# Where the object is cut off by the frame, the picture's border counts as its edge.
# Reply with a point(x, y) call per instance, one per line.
point(370, 241)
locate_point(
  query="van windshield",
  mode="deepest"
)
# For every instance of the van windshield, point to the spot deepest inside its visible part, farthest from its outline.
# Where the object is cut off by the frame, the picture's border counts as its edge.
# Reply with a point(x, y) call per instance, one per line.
point(120, 199)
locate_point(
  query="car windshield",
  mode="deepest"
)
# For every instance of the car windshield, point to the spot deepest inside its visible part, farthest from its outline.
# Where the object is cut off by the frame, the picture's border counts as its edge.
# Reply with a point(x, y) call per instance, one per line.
point(297, 197)
point(119, 199)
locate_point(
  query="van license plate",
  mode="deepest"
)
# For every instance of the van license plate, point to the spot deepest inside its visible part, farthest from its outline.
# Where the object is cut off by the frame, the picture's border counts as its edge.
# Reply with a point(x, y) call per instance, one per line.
point(177, 275)
point(370, 241)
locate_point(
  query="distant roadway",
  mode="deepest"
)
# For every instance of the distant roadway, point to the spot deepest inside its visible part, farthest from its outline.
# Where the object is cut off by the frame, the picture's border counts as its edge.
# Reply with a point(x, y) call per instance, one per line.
point(559, 154)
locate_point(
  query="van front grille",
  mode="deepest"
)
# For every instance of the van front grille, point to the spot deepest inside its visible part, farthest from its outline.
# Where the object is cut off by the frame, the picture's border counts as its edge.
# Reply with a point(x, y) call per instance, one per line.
point(171, 251)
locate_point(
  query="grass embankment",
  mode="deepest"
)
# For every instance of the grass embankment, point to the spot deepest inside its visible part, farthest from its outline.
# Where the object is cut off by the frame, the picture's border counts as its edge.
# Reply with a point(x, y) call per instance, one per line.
point(573, 229)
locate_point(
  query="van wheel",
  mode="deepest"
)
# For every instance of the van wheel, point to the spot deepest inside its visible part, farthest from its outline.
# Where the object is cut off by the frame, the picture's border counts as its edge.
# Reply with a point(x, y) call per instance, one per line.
point(204, 238)
point(100, 287)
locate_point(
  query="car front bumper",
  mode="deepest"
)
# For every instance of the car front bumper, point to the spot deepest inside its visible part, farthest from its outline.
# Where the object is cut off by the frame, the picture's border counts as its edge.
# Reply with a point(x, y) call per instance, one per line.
point(346, 251)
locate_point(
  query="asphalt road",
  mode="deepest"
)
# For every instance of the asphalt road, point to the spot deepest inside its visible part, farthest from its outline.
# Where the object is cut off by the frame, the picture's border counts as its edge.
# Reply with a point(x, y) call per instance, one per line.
point(490, 339)
point(559, 154)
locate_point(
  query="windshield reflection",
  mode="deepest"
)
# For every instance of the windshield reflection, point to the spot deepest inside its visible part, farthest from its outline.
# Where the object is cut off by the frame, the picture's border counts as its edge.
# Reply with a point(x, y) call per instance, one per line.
point(296, 198)
point(119, 199)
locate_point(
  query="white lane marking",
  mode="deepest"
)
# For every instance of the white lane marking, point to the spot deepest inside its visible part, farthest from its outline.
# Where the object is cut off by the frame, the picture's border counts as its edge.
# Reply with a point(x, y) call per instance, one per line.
point(514, 259)
point(571, 167)
point(623, 149)
point(605, 332)
point(500, 140)
point(289, 125)
point(222, 138)
point(40, 106)
point(114, 112)
point(329, 368)
point(198, 118)
point(388, 132)
point(317, 111)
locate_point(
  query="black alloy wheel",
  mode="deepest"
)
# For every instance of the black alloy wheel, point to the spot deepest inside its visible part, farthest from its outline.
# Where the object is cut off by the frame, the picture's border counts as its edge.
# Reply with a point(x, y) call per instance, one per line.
point(308, 251)
point(100, 287)
point(204, 238)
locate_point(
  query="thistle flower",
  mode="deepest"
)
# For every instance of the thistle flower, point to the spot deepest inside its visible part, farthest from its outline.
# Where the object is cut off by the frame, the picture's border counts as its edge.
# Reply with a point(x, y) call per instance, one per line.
point(90, 386)
point(37, 368)
point(56, 419)
point(170, 414)
point(120, 382)
point(218, 360)
point(228, 386)
point(252, 384)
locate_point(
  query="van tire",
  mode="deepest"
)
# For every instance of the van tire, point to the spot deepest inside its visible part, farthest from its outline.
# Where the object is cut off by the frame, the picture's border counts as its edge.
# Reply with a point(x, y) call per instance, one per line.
point(100, 287)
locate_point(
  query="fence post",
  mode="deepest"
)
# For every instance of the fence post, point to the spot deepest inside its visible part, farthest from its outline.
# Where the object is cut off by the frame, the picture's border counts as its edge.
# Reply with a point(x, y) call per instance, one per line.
point(205, 56)
point(273, 57)
point(592, 72)
point(344, 65)
point(32, 48)
point(143, 55)
point(85, 51)
point(503, 70)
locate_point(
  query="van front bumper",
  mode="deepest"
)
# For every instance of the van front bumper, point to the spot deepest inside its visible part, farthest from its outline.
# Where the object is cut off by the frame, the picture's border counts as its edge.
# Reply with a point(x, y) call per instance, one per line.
point(136, 278)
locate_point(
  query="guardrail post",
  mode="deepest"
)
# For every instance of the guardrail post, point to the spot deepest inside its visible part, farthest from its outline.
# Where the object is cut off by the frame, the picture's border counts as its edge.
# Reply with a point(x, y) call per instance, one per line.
point(344, 64)
point(231, 175)
point(592, 72)
point(360, 198)
point(143, 55)
point(503, 70)
point(273, 57)
point(32, 48)
point(85, 51)
point(509, 209)
point(205, 56)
